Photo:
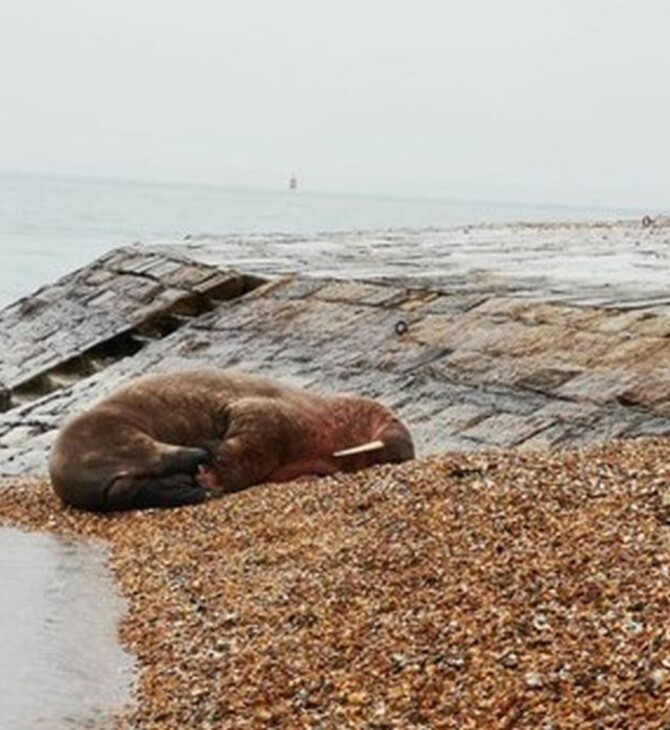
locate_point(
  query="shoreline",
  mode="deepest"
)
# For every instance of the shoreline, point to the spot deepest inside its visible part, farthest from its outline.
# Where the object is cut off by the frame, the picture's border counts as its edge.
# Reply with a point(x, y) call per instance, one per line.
point(491, 590)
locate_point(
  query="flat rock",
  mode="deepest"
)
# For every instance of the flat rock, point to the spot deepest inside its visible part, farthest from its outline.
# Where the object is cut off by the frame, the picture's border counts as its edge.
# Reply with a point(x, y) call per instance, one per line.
point(479, 337)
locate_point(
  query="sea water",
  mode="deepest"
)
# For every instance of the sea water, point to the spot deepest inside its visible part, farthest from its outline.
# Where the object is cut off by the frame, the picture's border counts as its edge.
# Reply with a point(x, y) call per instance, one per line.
point(60, 662)
point(52, 225)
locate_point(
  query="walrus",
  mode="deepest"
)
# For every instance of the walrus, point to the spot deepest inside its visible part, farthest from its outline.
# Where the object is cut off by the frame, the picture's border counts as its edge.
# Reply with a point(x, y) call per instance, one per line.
point(183, 437)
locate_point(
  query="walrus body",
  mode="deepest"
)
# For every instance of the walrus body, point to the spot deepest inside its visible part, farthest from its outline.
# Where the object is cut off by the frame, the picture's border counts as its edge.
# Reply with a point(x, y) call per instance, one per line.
point(169, 440)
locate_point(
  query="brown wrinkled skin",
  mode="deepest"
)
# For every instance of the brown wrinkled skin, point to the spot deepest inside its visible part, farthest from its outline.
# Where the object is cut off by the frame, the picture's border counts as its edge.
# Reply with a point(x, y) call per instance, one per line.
point(167, 440)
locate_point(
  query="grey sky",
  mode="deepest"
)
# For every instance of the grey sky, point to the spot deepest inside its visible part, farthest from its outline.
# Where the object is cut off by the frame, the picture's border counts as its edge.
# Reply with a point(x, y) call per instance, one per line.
point(565, 101)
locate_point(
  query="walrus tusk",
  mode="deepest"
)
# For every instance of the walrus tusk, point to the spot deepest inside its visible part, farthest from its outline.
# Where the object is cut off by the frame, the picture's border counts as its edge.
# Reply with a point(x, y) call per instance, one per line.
point(360, 449)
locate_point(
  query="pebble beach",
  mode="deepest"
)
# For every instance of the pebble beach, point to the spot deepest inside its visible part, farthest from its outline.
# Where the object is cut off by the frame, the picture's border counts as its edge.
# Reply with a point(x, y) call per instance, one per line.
point(494, 590)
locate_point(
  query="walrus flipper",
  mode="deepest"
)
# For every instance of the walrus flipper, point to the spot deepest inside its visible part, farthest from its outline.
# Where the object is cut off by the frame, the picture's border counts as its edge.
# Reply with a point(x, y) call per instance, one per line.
point(183, 459)
point(172, 491)
point(253, 445)
point(172, 484)
point(129, 492)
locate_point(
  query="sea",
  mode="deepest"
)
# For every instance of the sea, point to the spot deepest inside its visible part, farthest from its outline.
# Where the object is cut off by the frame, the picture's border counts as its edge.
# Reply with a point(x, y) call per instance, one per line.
point(60, 667)
point(51, 225)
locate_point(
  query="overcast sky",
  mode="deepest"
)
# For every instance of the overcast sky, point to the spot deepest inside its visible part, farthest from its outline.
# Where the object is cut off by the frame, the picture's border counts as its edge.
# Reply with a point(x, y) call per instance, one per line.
point(565, 101)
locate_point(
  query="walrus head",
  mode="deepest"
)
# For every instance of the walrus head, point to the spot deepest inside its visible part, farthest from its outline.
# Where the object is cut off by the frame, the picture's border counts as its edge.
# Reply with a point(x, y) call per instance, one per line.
point(392, 444)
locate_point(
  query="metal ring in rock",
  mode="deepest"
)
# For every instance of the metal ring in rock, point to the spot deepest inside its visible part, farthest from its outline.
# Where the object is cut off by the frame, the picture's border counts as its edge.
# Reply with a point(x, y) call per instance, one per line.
point(401, 327)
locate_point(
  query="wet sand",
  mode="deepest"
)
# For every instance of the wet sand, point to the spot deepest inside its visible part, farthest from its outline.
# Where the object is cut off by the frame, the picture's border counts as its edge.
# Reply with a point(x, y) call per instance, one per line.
point(497, 590)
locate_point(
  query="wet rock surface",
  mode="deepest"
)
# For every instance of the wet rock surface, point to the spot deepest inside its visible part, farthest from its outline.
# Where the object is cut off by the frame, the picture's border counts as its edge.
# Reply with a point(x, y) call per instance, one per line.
point(515, 336)
point(617, 263)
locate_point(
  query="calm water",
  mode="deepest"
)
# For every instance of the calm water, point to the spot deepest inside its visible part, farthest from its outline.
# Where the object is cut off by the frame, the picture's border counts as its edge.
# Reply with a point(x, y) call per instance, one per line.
point(50, 225)
point(60, 663)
